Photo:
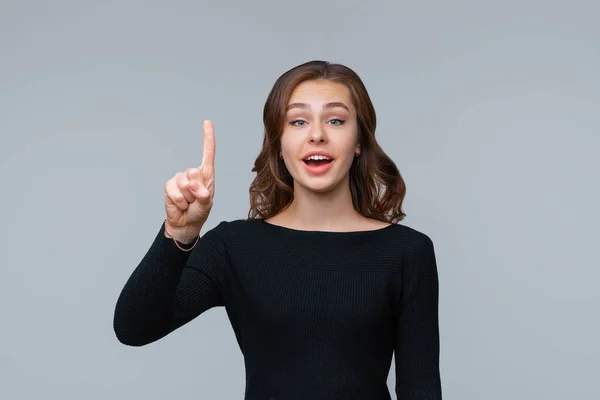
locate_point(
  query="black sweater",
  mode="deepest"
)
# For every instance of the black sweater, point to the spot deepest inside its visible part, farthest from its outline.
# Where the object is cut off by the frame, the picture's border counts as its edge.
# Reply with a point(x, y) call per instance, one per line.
point(317, 315)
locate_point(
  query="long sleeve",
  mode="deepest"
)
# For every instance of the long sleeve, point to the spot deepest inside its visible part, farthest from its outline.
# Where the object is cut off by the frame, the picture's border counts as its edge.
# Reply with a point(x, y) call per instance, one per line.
point(418, 342)
point(170, 287)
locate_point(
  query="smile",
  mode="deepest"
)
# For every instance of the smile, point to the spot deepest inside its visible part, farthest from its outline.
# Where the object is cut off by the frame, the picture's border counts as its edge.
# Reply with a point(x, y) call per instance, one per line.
point(318, 164)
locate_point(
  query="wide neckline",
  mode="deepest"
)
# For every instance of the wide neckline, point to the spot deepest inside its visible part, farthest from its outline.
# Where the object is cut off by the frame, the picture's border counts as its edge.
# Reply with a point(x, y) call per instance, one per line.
point(329, 233)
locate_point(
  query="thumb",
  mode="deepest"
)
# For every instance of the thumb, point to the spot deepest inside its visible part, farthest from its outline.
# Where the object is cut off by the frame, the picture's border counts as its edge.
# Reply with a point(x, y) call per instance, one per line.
point(194, 177)
point(198, 190)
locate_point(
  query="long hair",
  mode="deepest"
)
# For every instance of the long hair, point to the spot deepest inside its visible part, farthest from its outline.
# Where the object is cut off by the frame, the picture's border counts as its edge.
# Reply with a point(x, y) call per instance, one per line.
point(376, 185)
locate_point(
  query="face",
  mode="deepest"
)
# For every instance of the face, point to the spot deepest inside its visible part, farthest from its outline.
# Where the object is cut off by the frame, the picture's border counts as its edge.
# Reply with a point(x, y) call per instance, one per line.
point(320, 137)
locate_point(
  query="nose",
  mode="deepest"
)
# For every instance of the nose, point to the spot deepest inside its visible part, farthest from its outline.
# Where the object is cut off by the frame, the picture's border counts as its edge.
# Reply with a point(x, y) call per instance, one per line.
point(317, 133)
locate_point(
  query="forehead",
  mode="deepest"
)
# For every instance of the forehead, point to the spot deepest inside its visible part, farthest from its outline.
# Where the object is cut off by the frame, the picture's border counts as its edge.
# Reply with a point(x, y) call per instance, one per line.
point(321, 91)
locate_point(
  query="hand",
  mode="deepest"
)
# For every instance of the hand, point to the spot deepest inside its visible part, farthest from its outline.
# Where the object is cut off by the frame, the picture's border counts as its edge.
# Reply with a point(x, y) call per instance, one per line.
point(189, 195)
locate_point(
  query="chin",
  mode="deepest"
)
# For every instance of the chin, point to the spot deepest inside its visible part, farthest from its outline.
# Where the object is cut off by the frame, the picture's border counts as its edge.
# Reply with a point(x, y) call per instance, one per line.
point(320, 188)
point(317, 185)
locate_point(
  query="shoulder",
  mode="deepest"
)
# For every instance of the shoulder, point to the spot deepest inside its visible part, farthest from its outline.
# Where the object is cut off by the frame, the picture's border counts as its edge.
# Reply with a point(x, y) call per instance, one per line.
point(417, 262)
point(411, 238)
point(220, 236)
point(417, 250)
point(226, 229)
point(236, 225)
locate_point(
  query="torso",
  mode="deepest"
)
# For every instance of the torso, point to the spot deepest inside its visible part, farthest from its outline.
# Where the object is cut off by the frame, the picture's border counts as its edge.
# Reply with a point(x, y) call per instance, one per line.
point(316, 307)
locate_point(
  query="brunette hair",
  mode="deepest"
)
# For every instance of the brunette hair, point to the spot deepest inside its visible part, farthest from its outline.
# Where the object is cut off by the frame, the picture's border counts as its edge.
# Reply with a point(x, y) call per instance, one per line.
point(376, 185)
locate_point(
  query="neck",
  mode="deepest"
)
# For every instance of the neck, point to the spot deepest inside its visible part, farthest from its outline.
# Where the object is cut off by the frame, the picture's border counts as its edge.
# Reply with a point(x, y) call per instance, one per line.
point(329, 211)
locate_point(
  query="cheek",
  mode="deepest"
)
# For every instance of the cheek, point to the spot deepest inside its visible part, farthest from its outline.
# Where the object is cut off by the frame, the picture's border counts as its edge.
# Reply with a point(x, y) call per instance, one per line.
point(287, 149)
point(289, 145)
point(350, 146)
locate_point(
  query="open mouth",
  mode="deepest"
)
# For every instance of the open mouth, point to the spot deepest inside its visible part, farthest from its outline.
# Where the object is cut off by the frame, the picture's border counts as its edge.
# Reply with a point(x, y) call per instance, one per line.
point(317, 161)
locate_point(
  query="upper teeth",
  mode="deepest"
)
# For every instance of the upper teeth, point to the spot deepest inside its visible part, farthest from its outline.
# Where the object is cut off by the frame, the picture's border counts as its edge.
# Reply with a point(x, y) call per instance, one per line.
point(318, 157)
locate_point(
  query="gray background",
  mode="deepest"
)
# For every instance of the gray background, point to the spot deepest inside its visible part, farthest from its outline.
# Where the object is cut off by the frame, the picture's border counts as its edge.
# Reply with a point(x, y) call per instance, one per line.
point(490, 109)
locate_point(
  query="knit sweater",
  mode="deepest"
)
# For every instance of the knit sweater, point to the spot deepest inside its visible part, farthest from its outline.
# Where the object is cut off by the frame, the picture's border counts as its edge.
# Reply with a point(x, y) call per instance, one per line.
point(317, 315)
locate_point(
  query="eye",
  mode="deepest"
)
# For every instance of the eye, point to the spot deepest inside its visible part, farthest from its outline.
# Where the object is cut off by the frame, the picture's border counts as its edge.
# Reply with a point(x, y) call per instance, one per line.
point(336, 121)
point(297, 122)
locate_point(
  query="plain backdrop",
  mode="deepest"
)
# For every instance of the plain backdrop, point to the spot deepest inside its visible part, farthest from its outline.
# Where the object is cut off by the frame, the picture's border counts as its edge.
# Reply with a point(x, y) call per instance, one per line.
point(490, 109)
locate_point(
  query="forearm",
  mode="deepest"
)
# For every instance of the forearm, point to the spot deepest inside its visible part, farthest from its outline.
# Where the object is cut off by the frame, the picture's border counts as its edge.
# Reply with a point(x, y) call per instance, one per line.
point(144, 310)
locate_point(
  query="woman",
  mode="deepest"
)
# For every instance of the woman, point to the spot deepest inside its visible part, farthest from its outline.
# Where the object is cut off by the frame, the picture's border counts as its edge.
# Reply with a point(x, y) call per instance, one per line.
point(321, 284)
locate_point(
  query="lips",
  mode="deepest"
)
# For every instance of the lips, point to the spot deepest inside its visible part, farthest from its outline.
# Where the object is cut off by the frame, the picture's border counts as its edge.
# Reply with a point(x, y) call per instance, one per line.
point(317, 156)
point(317, 162)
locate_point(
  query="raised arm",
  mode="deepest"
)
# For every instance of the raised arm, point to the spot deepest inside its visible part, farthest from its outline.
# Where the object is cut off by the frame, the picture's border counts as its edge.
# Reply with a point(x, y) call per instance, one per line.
point(170, 287)
point(418, 341)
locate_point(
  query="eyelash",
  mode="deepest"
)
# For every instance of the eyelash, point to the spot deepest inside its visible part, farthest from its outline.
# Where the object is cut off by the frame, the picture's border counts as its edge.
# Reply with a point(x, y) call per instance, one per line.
point(341, 121)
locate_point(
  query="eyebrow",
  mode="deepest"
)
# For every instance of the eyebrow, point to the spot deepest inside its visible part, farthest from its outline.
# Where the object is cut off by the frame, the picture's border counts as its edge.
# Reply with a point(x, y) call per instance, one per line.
point(326, 106)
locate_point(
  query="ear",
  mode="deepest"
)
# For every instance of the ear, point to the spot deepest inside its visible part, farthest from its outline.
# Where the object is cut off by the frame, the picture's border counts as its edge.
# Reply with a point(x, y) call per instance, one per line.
point(357, 150)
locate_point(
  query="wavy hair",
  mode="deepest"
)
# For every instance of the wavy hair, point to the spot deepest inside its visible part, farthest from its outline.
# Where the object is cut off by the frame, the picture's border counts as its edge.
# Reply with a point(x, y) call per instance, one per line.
point(376, 185)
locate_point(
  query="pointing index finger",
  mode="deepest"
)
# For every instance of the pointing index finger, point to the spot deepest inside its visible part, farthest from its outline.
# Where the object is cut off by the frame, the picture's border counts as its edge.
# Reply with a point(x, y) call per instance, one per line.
point(208, 154)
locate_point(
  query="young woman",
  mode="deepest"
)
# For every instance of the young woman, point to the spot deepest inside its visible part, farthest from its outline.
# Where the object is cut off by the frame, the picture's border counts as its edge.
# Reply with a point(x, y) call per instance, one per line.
point(321, 283)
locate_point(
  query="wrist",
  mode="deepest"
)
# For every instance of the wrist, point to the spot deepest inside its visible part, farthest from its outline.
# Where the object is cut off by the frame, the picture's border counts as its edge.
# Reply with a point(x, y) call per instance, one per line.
point(186, 235)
